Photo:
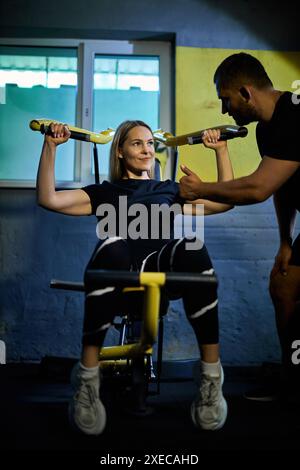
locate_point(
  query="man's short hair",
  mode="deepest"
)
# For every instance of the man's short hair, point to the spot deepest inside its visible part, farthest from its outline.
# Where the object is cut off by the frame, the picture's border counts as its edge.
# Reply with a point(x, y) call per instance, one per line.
point(241, 68)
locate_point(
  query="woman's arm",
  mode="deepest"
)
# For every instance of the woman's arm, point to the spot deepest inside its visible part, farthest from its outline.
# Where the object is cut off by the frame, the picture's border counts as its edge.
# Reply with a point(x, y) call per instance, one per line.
point(224, 171)
point(71, 202)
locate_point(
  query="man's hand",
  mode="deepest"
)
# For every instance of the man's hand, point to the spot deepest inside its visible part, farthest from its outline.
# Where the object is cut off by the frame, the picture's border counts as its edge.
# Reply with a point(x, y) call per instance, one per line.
point(189, 185)
point(282, 260)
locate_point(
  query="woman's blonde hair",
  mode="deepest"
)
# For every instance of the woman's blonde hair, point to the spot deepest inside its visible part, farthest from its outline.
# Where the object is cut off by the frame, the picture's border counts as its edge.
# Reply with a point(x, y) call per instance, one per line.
point(116, 164)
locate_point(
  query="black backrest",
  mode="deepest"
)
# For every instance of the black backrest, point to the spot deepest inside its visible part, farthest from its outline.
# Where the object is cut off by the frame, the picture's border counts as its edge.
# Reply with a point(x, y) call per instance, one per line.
point(157, 170)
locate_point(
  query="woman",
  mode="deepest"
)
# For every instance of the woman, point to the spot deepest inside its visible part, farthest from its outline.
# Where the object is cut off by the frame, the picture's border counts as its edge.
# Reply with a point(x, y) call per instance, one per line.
point(132, 159)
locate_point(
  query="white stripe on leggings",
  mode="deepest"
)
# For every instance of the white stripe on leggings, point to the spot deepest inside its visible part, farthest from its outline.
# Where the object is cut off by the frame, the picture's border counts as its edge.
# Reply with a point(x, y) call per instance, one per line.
point(103, 327)
point(173, 253)
point(100, 291)
point(208, 271)
point(159, 255)
point(144, 261)
point(108, 241)
point(203, 310)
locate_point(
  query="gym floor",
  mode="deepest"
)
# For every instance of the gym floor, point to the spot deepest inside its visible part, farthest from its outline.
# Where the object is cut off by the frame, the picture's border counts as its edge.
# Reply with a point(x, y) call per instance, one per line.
point(34, 403)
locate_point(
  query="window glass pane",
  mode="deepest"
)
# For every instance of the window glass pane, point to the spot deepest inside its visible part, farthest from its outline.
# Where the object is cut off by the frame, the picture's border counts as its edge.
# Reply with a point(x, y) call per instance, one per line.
point(125, 87)
point(35, 83)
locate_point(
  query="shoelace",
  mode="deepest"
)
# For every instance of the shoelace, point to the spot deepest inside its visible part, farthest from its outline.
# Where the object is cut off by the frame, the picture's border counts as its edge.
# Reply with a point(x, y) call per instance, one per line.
point(209, 390)
point(86, 395)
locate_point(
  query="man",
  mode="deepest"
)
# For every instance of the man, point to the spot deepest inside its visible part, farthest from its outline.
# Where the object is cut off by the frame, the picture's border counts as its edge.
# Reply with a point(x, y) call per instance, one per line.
point(247, 94)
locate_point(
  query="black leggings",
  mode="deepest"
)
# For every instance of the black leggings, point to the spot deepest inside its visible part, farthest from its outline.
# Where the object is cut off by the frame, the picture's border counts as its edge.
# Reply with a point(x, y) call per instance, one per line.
point(103, 304)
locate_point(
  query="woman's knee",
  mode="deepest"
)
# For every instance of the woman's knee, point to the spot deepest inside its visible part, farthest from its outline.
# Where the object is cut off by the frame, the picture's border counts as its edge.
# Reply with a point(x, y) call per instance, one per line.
point(112, 253)
point(191, 255)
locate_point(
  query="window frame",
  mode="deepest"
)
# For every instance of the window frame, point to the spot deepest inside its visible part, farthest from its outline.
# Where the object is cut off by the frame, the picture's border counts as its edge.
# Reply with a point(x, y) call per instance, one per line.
point(87, 50)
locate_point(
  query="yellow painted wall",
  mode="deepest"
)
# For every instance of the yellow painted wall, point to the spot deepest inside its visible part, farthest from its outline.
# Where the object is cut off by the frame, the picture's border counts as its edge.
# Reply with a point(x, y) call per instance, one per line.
point(197, 105)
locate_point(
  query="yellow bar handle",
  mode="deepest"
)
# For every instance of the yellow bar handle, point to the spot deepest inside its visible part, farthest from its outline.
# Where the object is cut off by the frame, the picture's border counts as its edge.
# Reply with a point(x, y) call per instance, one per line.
point(227, 132)
point(103, 137)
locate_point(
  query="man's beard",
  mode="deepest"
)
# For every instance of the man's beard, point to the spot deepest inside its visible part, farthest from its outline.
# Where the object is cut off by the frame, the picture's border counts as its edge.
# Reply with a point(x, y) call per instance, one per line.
point(245, 116)
point(242, 120)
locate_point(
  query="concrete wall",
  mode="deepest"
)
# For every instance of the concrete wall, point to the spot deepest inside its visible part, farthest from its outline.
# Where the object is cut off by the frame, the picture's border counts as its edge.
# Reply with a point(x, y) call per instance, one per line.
point(37, 245)
point(248, 24)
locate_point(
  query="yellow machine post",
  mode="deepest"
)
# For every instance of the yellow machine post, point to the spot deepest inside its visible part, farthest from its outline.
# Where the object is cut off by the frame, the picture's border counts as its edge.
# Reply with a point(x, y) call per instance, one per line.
point(151, 283)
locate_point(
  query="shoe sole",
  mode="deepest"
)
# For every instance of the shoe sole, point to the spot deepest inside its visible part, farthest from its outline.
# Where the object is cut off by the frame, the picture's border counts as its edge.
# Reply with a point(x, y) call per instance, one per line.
point(87, 431)
point(210, 427)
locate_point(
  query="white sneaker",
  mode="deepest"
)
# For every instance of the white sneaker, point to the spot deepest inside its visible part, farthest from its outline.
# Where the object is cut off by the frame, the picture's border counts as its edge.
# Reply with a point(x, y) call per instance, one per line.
point(86, 411)
point(209, 410)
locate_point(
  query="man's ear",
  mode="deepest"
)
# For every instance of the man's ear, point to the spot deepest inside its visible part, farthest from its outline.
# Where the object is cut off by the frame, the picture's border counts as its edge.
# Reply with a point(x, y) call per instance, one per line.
point(245, 92)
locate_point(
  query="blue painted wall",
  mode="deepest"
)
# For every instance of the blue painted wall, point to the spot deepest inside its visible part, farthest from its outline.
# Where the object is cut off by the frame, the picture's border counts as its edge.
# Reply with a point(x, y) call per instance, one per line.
point(37, 245)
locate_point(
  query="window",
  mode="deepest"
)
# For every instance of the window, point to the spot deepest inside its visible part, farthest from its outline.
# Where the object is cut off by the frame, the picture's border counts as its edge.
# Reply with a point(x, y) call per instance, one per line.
point(35, 82)
point(89, 84)
point(124, 88)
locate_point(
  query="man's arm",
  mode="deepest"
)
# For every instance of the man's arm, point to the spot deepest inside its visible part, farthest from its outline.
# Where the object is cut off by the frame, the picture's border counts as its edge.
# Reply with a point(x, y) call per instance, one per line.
point(286, 216)
point(261, 184)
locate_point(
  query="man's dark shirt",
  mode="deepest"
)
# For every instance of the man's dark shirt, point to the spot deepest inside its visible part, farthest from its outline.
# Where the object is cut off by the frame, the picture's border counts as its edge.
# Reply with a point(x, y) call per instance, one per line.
point(278, 138)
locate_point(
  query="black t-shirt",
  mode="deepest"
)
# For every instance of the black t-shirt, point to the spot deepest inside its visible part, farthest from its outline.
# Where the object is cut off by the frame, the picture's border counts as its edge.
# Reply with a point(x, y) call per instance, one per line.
point(278, 139)
point(145, 192)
